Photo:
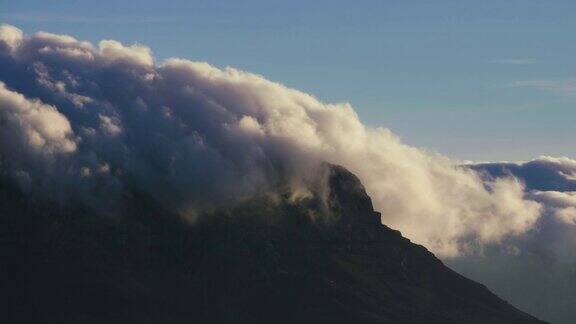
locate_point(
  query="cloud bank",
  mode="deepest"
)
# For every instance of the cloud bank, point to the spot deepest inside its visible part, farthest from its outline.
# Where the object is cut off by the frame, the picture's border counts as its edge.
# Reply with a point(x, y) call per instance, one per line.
point(88, 123)
point(548, 180)
point(535, 271)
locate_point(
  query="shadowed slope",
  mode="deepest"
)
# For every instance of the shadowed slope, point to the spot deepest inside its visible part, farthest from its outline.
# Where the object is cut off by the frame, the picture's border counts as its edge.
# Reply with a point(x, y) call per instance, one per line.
point(264, 261)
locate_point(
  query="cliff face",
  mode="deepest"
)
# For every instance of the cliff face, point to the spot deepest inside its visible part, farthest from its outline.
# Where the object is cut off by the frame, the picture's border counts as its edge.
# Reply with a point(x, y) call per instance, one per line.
point(311, 261)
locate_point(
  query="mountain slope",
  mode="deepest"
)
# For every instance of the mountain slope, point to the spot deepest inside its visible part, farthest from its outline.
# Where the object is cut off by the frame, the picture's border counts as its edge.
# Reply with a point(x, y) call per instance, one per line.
point(267, 260)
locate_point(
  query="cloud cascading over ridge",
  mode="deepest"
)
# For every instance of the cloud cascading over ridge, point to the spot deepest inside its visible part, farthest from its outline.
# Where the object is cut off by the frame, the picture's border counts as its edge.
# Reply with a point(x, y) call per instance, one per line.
point(91, 122)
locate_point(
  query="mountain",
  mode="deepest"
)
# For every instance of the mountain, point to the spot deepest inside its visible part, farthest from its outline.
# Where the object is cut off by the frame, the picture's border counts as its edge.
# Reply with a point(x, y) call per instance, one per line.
point(321, 259)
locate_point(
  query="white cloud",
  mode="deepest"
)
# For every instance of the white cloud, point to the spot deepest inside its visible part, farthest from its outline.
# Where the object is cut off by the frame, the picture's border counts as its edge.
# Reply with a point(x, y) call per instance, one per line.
point(33, 125)
point(561, 204)
point(11, 35)
point(113, 51)
point(194, 134)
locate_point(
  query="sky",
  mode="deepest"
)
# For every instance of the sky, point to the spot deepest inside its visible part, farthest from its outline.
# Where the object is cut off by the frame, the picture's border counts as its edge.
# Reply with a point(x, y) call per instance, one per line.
point(476, 80)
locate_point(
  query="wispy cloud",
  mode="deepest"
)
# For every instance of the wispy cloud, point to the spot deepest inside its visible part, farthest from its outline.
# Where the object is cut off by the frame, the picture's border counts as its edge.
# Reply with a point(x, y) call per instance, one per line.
point(562, 86)
point(515, 61)
point(72, 18)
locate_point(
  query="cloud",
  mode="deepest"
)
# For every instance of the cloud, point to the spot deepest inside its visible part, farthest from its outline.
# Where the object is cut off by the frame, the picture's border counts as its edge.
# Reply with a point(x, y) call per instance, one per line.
point(561, 204)
point(192, 135)
point(10, 36)
point(551, 182)
point(115, 51)
point(33, 126)
point(561, 86)
point(515, 61)
point(540, 262)
point(33, 137)
point(542, 174)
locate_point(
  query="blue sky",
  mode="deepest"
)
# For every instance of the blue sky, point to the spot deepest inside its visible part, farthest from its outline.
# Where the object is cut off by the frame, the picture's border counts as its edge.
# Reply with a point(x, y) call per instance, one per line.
point(480, 80)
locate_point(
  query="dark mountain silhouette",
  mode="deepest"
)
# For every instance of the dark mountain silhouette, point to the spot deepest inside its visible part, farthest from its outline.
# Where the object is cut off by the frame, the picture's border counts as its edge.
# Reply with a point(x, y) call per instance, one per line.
point(268, 260)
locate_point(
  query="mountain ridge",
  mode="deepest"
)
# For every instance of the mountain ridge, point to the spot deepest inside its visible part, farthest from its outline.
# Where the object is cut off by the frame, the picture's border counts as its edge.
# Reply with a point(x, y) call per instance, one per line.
point(316, 259)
